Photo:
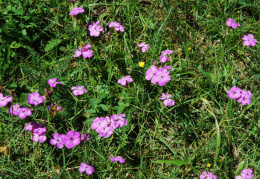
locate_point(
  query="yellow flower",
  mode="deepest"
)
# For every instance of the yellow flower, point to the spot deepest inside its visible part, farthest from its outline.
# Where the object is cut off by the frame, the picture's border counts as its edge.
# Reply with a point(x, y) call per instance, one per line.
point(189, 48)
point(208, 165)
point(141, 64)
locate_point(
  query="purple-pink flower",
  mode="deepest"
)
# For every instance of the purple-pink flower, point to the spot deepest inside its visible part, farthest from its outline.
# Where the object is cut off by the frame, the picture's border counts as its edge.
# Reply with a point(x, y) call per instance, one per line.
point(53, 82)
point(249, 40)
point(117, 26)
point(95, 29)
point(124, 80)
point(209, 175)
point(84, 136)
point(119, 120)
point(85, 52)
point(59, 140)
point(35, 98)
point(76, 11)
point(38, 131)
point(161, 76)
point(24, 112)
point(245, 97)
point(72, 139)
point(15, 109)
point(5, 100)
point(232, 23)
point(78, 90)
point(164, 57)
point(234, 92)
point(167, 101)
point(117, 159)
point(144, 47)
point(245, 174)
point(86, 168)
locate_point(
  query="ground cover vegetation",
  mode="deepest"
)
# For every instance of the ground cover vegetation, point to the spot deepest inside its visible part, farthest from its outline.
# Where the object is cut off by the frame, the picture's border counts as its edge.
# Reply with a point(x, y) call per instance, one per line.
point(129, 89)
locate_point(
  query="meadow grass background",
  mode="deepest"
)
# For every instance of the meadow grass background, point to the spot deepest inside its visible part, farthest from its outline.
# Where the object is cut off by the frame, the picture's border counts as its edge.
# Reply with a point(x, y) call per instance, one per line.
point(38, 40)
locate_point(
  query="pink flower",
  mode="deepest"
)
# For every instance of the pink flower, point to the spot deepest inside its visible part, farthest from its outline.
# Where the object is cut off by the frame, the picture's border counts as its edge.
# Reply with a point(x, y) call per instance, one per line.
point(234, 93)
point(117, 159)
point(76, 11)
point(35, 98)
point(39, 138)
point(124, 80)
point(164, 57)
point(84, 136)
point(150, 72)
point(85, 52)
point(59, 140)
point(38, 131)
point(117, 26)
point(25, 112)
point(15, 109)
point(5, 100)
point(245, 174)
point(209, 175)
point(161, 77)
point(232, 23)
point(95, 29)
point(249, 40)
point(166, 99)
point(86, 168)
point(119, 120)
point(72, 139)
point(245, 97)
point(78, 90)
point(30, 126)
point(144, 47)
point(53, 82)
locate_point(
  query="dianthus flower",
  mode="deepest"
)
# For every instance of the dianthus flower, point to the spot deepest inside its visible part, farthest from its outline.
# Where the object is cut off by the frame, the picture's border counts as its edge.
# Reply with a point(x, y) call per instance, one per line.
point(144, 47)
point(117, 26)
point(234, 92)
point(167, 101)
point(30, 126)
point(86, 168)
point(24, 112)
point(84, 136)
point(53, 82)
point(125, 79)
point(232, 23)
point(249, 40)
point(76, 11)
point(95, 29)
point(78, 90)
point(245, 97)
point(150, 72)
point(15, 109)
point(104, 129)
point(245, 174)
point(72, 139)
point(35, 98)
point(85, 52)
point(38, 131)
point(5, 100)
point(164, 57)
point(117, 159)
point(209, 175)
point(161, 76)
point(119, 120)
point(59, 140)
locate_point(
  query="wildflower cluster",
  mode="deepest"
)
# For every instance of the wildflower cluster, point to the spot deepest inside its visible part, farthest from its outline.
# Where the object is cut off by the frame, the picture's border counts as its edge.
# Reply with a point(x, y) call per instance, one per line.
point(157, 75)
point(70, 140)
point(242, 96)
point(5, 100)
point(105, 126)
point(38, 131)
point(245, 174)
point(167, 101)
point(21, 112)
point(85, 52)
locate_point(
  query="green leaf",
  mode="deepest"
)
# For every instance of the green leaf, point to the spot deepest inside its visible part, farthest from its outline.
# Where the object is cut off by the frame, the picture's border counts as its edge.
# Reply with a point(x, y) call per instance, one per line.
point(241, 165)
point(93, 103)
point(24, 32)
point(173, 162)
point(103, 107)
point(51, 44)
point(102, 16)
point(90, 111)
point(121, 109)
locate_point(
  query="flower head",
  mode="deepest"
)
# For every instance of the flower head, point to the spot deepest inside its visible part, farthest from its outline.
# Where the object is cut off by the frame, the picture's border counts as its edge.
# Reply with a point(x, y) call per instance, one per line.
point(86, 168)
point(78, 90)
point(117, 159)
point(24, 112)
point(59, 140)
point(167, 101)
point(53, 82)
point(164, 57)
point(35, 98)
point(249, 40)
point(234, 93)
point(5, 100)
point(232, 23)
point(245, 174)
point(161, 76)
point(72, 139)
point(85, 52)
point(124, 80)
point(117, 26)
point(209, 175)
point(15, 109)
point(144, 47)
point(76, 11)
point(141, 64)
point(95, 29)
